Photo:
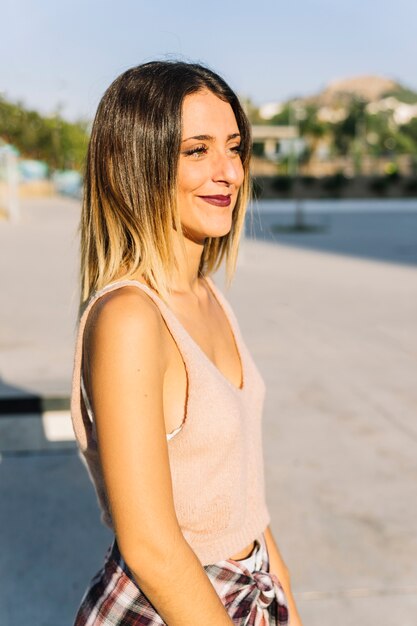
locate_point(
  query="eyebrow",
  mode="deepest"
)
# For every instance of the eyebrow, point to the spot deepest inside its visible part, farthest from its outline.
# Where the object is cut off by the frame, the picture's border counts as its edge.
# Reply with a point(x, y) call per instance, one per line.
point(210, 138)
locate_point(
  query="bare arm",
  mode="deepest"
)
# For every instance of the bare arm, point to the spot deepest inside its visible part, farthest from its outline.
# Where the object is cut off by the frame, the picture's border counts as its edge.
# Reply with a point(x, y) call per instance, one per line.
point(278, 567)
point(125, 366)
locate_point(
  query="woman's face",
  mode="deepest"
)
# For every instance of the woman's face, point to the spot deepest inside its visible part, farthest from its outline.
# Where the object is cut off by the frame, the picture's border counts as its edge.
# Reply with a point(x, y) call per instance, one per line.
point(210, 169)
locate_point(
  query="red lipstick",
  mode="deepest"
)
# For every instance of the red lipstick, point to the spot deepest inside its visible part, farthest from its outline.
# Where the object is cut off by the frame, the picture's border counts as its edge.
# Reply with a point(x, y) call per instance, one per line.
point(217, 200)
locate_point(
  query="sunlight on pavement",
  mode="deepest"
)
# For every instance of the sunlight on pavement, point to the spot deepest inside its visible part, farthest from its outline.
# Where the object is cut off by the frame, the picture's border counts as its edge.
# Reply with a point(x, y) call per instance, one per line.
point(57, 426)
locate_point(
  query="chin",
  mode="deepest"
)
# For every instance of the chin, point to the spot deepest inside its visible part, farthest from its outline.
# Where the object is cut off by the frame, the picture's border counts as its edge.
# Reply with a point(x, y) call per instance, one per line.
point(219, 227)
point(219, 231)
point(206, 230)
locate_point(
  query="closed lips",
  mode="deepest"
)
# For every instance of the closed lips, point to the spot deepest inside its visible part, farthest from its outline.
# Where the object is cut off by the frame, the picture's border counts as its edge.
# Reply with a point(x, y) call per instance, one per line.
point(218, 200)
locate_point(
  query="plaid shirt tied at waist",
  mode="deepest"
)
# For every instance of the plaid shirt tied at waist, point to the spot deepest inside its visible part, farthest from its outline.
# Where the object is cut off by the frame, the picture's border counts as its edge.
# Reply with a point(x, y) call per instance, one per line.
point(251, 598)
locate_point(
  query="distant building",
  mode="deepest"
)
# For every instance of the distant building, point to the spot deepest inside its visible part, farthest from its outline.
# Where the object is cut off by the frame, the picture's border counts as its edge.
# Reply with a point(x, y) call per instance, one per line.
point(268, 110)
point(331, 115)
point(32, 169)
point(402, 112)
point(267, 140)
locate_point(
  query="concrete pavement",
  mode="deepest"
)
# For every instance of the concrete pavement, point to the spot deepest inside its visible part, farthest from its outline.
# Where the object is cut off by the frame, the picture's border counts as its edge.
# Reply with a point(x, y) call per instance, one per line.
point(336, 341)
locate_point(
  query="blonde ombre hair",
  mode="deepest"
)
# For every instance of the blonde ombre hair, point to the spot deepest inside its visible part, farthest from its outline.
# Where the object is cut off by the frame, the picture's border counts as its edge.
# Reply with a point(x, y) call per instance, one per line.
point(129, 210)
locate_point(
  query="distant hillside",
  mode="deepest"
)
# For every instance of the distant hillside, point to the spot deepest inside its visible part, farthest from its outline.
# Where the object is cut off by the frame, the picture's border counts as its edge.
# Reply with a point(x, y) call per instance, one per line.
point(368, 88)
point(352, 118)
point(335, 100)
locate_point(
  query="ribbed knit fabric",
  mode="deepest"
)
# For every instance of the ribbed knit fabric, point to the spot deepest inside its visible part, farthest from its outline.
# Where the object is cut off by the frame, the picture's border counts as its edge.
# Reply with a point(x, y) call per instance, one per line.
point(216, 458)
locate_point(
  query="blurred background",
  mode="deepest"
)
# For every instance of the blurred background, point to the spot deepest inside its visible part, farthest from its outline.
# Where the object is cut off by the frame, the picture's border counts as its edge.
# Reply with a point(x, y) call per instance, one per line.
point(329, 252)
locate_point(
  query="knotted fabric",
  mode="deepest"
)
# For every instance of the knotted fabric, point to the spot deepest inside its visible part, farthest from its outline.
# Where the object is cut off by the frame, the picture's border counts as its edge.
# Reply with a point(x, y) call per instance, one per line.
point(251, 598)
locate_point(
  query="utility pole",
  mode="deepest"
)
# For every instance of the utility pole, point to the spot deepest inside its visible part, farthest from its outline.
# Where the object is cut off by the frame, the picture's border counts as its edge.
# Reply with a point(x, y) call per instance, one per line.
point(299, 223)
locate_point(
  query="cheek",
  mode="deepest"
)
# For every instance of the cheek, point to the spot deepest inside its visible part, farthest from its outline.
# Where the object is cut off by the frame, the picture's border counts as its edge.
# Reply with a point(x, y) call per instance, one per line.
point(190, 177)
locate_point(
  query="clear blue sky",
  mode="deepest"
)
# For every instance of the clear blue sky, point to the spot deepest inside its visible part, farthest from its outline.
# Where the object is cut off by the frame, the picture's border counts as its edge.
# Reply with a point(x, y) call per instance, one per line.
point(68, 52)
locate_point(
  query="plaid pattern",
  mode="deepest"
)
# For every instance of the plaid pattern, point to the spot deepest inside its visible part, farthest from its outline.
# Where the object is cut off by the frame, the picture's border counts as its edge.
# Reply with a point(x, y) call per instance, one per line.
point(251, 598)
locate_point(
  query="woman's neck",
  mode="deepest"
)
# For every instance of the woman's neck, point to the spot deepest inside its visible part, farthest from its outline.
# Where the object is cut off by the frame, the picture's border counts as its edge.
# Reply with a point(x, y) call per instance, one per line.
point(185, 277)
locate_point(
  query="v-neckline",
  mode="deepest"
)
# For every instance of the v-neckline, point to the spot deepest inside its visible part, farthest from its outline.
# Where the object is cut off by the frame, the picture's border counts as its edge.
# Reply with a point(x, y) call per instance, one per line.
point(238, 347)
point(235, 341)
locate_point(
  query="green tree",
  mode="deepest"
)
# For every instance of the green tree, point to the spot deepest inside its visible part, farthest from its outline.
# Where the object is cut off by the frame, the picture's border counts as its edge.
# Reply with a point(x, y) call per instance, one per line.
point(409, 130)
point(59, 143)
point(348, 131)
point(282, 118)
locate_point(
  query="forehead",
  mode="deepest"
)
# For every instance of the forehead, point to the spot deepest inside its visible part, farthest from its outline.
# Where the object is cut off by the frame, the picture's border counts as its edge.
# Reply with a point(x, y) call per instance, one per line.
point(204, 113)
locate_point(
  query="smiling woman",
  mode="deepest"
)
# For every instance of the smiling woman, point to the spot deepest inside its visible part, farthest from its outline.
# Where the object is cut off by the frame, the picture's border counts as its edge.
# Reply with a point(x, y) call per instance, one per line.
point(167, 401)
point(210, 170)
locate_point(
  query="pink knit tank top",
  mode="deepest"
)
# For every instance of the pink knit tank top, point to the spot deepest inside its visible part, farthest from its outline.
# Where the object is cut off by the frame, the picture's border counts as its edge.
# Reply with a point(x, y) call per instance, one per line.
point(216, 457)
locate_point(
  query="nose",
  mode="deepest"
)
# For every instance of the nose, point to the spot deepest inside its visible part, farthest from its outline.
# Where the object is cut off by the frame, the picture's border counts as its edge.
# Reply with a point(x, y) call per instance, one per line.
point(227, 168)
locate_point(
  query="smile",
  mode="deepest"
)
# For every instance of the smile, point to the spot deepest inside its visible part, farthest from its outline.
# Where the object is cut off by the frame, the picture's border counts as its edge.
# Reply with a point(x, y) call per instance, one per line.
point(217, 200)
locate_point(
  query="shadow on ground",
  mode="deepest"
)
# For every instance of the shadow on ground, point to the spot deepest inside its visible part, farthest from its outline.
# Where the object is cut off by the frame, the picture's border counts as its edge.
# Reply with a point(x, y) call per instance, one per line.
point(377, 235)
point(52, 539)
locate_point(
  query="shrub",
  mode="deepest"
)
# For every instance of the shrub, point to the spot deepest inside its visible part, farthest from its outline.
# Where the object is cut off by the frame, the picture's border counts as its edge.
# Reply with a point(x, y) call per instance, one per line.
point(282, 184)
point(393, 177)
point(335, 183)
point(308, 181)
point(379, 184)
point(411, 185)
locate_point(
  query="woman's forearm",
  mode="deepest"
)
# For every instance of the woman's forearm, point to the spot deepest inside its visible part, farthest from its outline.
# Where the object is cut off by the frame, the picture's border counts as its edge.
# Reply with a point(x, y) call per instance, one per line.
point(177, 585)
point(278, 567)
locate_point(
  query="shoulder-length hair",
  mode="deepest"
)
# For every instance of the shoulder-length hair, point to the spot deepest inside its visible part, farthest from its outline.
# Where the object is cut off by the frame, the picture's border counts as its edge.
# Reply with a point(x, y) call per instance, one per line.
point(129, 207)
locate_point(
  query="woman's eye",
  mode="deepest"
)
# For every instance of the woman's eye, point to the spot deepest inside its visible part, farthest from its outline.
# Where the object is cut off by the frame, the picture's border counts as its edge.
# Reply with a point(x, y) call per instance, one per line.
point(237, 149)
point(197, 151)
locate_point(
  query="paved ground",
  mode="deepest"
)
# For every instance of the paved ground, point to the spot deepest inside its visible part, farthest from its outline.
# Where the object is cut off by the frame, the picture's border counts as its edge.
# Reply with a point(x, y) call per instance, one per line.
point(336, 340)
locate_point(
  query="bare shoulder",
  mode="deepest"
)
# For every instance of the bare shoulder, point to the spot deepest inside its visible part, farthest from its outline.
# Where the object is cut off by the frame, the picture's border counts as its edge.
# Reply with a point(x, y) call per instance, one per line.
point(126, 319)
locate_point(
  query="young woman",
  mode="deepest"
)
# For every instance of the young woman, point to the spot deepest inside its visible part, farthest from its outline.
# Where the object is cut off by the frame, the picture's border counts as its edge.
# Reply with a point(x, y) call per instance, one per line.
point(167, 401)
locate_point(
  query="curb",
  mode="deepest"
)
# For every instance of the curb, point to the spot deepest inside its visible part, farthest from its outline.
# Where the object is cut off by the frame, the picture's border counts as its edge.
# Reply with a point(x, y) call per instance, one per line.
point(35, 424)
point(23, 404)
